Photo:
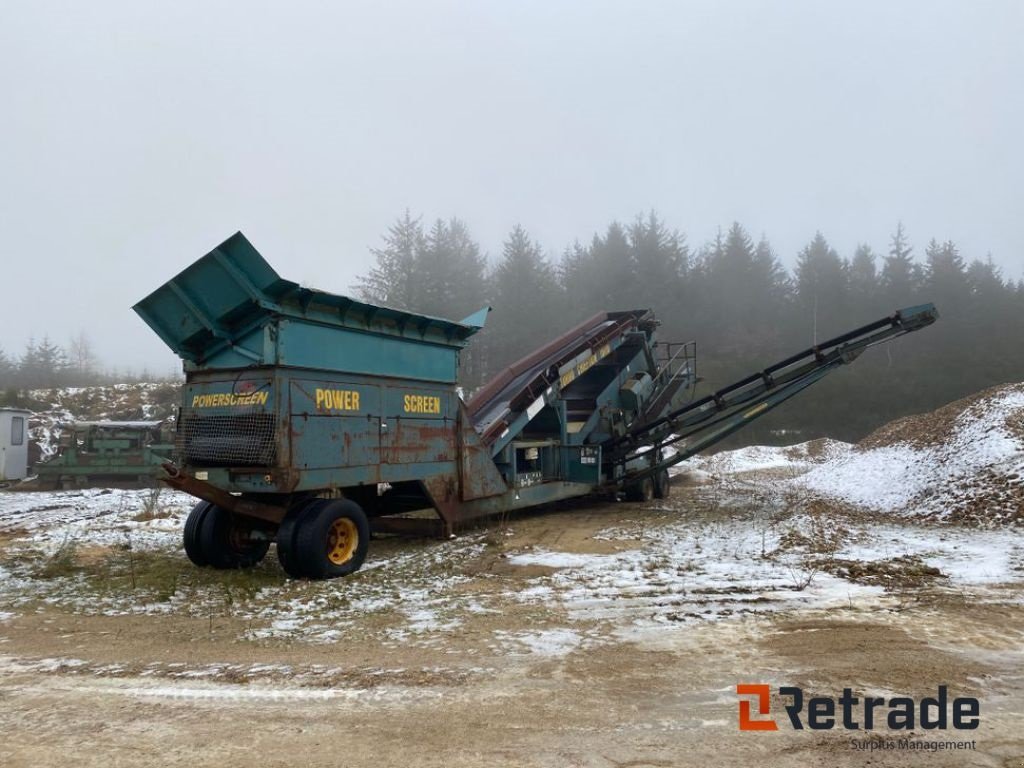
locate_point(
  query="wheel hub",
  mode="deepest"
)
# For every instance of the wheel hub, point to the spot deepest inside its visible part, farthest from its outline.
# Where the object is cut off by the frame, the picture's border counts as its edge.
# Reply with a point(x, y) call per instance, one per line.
point(342, 540)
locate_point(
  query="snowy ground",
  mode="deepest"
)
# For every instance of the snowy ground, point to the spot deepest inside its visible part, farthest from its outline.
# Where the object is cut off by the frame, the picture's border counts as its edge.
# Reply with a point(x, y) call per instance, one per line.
point(751, 532)
point(747, 537)
point(616, 627)
point(741, 543)
point(96, 516)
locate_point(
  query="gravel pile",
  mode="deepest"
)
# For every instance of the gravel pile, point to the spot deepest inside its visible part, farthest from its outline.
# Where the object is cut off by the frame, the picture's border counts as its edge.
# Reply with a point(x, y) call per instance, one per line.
point(938, 427)
point(990, 499)
point(962, 464)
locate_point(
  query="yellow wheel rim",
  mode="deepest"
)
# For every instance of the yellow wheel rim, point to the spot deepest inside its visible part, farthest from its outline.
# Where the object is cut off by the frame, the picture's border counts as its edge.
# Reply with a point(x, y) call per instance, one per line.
point(342, 540)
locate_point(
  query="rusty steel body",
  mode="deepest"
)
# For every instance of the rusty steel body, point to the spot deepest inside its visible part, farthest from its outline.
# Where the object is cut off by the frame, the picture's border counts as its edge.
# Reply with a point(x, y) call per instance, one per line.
point(387, 459)
point(293, 393)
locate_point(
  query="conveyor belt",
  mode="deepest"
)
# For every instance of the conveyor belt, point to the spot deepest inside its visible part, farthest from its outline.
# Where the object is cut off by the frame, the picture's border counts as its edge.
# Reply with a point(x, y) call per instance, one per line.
point(712, 418)
point(510, 391)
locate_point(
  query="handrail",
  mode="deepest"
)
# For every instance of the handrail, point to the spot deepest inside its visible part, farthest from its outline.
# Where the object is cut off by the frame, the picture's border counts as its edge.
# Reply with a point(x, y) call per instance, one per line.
point(683, 346)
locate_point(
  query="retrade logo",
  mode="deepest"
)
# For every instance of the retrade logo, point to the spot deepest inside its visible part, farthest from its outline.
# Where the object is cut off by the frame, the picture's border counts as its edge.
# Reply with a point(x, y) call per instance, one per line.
point(763, 694)
point(855, 713)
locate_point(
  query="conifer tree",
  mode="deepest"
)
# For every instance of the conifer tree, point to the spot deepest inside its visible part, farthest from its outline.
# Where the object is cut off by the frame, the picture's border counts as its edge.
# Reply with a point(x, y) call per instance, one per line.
point(392, 281)
point(821, 288)
point(900, 274)
point(614, 278)
point(863, 278)
point(575, 273)
point(524, 298)
point(6, 369)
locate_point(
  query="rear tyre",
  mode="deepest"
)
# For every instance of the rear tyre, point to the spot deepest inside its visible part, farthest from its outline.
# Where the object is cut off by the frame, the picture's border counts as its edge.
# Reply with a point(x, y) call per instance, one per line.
point(662, 485)
point(287, 531)
point(641, 491)
point(229, 541)
point(193, 548)
point(331, 539)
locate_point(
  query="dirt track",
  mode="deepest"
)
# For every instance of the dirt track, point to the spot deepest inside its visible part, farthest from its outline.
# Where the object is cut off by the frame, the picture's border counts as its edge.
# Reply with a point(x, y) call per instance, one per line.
point(520, 655)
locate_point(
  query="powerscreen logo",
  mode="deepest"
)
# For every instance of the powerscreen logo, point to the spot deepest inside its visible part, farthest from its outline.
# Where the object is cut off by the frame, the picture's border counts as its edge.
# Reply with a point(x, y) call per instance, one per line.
point(854, 713)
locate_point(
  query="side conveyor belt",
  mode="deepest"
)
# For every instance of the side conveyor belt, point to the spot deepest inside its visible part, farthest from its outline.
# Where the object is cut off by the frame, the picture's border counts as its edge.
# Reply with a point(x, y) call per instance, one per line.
point(710, 419)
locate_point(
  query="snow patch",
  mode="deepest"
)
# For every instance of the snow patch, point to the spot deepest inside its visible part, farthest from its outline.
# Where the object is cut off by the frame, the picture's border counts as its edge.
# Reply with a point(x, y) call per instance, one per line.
point(545, 642)
point(980, 462)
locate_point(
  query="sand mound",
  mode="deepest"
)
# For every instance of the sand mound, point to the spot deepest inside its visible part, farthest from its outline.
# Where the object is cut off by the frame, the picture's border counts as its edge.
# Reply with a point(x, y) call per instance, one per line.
point(939, 426)
point(962, 463)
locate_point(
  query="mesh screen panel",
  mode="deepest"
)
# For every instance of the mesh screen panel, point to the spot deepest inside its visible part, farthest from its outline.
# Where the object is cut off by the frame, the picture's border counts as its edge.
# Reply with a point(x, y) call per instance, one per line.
point(231, 439)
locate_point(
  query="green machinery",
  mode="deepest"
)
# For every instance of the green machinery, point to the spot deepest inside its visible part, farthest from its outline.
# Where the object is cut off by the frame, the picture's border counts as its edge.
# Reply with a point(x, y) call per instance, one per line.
point(90, 453)
point(310, 419)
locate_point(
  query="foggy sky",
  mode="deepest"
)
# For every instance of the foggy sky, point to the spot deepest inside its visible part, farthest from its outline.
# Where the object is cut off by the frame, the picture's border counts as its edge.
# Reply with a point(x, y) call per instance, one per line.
point(136, 136)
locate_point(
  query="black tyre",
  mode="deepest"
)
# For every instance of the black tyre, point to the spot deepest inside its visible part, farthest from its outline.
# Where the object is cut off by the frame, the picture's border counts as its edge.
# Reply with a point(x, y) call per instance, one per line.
point(641, 491)
point(662, 485)
point(230, 541)
point(287, 532)
point(193, 548)
point(331, 539)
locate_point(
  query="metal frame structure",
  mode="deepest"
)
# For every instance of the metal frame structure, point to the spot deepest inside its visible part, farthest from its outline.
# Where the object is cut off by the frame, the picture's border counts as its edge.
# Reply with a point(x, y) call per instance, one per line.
point(90, 452)
point(302, 409)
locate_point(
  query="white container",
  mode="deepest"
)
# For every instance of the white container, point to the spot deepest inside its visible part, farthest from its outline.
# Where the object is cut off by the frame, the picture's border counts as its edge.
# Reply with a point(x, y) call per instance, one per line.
point(13, 443)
